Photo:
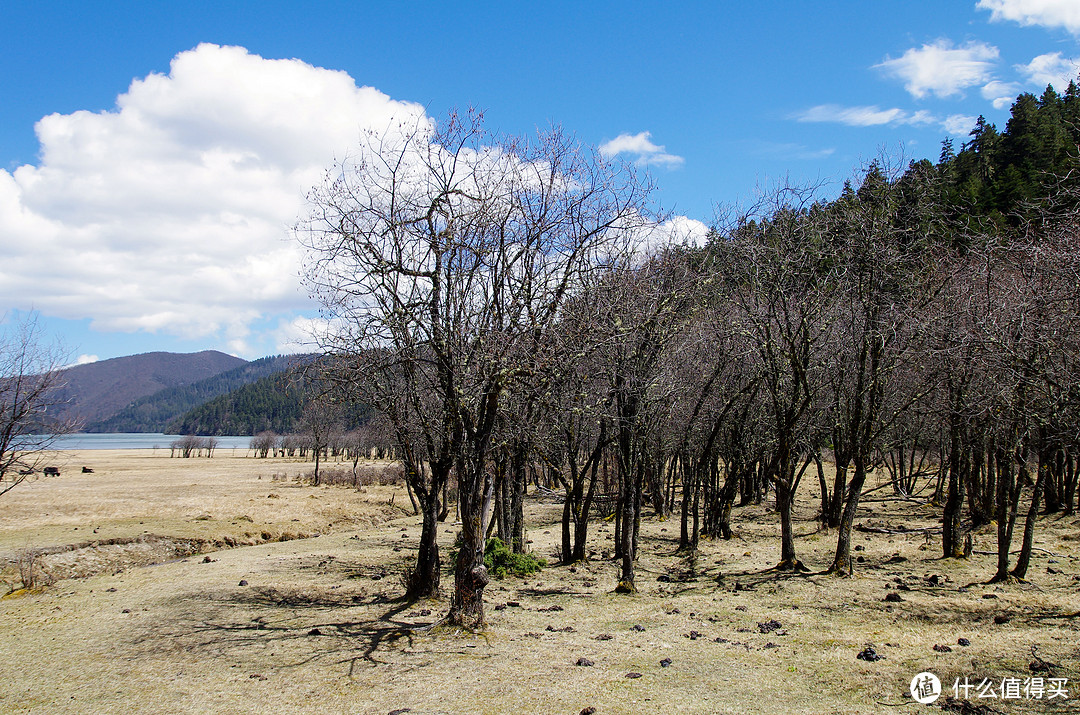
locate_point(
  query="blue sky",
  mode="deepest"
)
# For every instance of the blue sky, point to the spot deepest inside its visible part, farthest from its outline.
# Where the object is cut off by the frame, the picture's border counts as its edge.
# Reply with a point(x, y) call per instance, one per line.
point(153, 155)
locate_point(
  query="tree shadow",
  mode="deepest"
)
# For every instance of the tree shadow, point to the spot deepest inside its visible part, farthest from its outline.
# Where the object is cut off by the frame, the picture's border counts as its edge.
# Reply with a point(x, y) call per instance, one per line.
point(223, 626)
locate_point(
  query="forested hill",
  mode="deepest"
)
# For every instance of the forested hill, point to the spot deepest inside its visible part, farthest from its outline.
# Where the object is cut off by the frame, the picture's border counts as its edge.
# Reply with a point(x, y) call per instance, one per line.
point(152, 413)
point(98, 390)
point(269, 403)
point(1001, 176)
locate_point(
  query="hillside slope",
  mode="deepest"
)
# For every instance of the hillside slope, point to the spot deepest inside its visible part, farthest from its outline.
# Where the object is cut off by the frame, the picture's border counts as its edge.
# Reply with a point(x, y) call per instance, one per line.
point(153, 412)
point(99, 390)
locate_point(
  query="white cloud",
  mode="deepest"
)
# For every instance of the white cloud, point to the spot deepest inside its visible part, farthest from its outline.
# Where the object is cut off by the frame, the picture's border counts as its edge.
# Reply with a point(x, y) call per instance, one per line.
point(85, 359)
point(868, 116)
point(651, 238)
point(941, 69)
point(300, 334)
point(1050, 68)
point(959, 124)
point(1000, 94)
point(640, 146)
point(1045, 13)
point(170, 213)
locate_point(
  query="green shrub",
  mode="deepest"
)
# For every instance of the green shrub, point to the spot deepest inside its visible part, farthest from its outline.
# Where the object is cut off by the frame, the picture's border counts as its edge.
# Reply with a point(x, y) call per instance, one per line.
point(501, 561)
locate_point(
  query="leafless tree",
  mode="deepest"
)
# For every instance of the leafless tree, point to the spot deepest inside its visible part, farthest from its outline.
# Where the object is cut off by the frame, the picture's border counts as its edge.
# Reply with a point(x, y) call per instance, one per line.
point(442, 257)
point(781, 290)
point(31, 376)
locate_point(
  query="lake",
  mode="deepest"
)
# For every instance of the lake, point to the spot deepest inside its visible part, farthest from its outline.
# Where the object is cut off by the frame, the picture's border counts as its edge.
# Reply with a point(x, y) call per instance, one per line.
point(133, 440)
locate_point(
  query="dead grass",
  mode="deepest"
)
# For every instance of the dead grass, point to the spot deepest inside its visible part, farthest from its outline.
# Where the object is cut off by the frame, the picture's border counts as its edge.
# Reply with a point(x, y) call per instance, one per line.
point(317, 627)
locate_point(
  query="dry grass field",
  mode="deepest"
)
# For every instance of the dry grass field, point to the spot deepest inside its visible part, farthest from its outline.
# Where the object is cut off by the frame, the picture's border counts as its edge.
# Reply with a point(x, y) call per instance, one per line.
point(183, 586)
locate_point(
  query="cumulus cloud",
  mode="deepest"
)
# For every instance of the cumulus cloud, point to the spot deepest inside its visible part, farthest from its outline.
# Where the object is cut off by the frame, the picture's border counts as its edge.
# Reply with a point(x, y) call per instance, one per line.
point(1044, 13)
point(170, 212)
point(941, 69)
point(641, 149)
point(85, 359)
point(1050, 68)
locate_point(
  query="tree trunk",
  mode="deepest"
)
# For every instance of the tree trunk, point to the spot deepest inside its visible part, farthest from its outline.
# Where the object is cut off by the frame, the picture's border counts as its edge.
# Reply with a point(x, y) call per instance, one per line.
point(952, 542)
point(1024, 559)
point(842, 565)
point(470, 578)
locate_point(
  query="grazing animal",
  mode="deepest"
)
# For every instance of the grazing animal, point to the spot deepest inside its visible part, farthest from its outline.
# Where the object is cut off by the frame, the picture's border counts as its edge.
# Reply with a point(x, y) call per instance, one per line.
point(87, 470)
point(52, 472)
point(26, 471)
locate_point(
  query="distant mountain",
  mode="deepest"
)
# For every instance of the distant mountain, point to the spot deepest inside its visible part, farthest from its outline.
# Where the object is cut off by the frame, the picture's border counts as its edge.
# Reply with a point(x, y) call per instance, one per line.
point(153, 412)
point(99, 390)
point(273, 403)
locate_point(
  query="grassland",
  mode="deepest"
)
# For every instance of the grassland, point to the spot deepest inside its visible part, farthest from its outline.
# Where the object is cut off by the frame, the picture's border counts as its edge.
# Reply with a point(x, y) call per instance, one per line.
point(225, 585)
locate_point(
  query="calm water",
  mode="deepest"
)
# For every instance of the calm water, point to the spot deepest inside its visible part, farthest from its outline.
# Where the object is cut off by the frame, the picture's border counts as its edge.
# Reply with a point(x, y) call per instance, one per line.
point(148, 440)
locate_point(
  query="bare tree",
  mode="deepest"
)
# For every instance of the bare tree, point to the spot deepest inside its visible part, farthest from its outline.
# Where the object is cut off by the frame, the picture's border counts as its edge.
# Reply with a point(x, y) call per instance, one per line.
point(442, 257)
point(30, 380)
point(319, 421)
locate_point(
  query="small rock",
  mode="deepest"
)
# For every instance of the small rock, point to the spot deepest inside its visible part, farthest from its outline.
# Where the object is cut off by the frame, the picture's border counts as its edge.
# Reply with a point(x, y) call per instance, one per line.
point(513, 604)
point(500, 606)
point(893, 598)
point(564, 629)
point(208, 560)
point(666, 662)
point(400, 711)
point(110, 590)
point(674, 611)
point(588, 711)
point(633, 675)
point(243, 582)
point(769, 626)
point(740, 608)
point(637, 627)
point(963, 641)
point(1052, 570)
point(604, 637)
point(126, 610)
point(693, 635)
point(942, 648)
point(427, 611)
point(989, 596)
point(860, 559)
point(869, 654)
point(584, 662)
point(257, 676)
point(860, 547)
point(1001, 618)
point(314, 632)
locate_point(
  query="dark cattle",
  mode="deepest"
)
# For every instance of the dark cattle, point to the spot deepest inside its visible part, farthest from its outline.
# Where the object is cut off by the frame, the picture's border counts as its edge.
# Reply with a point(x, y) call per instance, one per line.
point(87, 470)
point(52, 472)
